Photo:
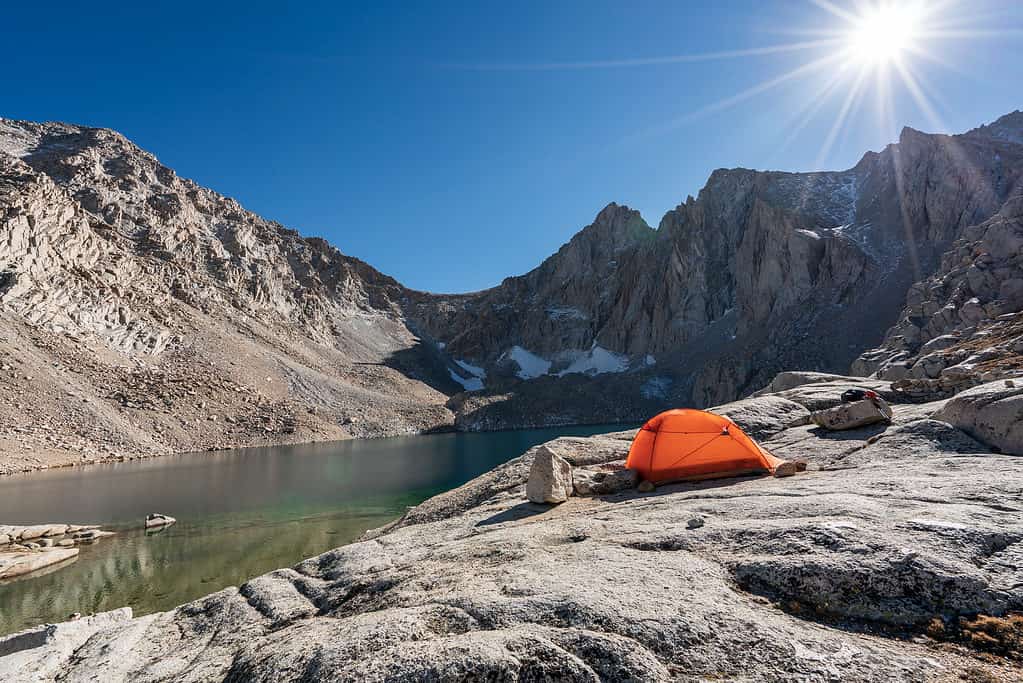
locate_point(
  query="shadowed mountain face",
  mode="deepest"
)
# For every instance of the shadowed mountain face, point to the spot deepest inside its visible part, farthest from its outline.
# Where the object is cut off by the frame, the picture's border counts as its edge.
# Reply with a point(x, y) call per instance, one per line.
point(762, 271)
point(142, 313)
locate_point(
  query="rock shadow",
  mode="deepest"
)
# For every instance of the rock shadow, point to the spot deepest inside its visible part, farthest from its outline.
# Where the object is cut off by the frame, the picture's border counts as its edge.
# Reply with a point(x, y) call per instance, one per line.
point(680, 487)
point(515, 513)
point(858, 434)
point(424, 363)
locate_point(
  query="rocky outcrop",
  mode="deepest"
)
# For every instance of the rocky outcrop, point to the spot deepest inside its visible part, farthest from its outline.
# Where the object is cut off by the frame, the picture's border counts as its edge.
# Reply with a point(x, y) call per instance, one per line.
point(60, 639)
point(604, 480)
point(896, 536)
point(157, 520)
point(764, 416)
point(29, 549)
point(992, 413)
point(17, 561)
point(963, 325)
point(854, 414)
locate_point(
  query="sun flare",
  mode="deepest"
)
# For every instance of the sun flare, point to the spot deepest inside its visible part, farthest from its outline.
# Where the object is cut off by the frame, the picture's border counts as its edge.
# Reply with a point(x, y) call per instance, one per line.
point(876, 53)
point(882, 34)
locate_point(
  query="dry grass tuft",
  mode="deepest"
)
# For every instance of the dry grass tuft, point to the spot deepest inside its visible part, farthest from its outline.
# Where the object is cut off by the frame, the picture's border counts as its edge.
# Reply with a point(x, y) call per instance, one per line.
point(997, 635)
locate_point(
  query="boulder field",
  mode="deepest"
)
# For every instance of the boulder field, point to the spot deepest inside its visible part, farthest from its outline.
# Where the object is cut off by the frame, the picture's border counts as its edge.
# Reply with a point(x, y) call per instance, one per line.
point(896, 556)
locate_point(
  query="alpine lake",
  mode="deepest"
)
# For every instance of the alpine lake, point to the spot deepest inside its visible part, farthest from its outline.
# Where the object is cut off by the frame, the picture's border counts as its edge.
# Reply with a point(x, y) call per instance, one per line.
point(240, 514)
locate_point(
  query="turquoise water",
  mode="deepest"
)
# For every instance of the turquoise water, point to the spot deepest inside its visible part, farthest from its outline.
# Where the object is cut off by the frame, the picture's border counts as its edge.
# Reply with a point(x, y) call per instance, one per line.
point(240, 514)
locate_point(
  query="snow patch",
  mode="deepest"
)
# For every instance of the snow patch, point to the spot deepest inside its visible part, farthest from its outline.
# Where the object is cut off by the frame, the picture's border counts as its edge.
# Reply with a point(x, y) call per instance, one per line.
point(468, 383)
point(530, 365)
point(809, 233)
point(441, 345)
point(649, 360)
point(474, 370)
point(472, 383)
point(597, 361)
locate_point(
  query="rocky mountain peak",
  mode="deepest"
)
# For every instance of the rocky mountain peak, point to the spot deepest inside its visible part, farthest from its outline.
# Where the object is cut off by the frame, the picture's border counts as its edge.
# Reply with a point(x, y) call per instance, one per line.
point(1007, 128)
point(616, 227)
point(749, 276)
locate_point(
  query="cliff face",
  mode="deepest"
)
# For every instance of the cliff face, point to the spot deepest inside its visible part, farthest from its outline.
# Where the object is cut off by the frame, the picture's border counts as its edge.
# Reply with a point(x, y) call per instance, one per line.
point(121, 283)
point(963, 319)
point(763, 270)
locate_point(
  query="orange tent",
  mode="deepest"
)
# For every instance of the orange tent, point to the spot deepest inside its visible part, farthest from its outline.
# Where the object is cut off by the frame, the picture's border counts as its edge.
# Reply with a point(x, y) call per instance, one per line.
point(693, 444)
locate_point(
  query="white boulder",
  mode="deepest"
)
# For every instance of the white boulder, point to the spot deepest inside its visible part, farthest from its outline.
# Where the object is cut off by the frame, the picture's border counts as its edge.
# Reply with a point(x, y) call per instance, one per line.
point(550, 478)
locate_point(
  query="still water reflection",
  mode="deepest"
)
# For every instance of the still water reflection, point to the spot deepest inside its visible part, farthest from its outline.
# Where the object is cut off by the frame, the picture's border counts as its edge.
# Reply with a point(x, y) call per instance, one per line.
point(240, 514)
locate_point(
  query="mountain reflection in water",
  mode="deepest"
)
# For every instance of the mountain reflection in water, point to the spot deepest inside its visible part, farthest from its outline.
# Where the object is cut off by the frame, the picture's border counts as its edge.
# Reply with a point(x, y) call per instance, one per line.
point(240, 514)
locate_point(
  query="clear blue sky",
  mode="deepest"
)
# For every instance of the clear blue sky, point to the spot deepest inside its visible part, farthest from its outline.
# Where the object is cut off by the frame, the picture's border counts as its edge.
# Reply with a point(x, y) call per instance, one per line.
point(451, 144)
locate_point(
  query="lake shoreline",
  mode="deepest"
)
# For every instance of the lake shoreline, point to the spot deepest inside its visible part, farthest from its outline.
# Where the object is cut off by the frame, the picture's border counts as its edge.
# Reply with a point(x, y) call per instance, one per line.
point(68, 459)
point(240, 513)
point(875, 564)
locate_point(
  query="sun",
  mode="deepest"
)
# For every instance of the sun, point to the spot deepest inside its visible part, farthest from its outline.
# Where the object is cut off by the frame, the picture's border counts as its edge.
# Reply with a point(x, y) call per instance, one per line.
point(878, 52)
point(882, 34)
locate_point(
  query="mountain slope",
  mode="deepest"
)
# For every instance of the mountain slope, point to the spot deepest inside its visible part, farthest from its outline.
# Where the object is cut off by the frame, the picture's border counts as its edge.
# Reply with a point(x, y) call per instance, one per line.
point(144, 314)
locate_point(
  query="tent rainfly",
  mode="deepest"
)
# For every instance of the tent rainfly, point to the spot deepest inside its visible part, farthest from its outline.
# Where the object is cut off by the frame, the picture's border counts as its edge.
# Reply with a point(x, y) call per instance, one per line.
point(689, 445)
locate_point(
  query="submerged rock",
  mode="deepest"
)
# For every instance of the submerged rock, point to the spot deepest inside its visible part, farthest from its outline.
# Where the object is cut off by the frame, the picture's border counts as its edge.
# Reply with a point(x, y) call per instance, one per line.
point(89, 535)
point(155, 519)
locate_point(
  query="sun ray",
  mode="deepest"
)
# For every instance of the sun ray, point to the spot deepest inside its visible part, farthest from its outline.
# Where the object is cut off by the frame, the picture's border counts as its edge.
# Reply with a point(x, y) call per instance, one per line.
point(842, 113)
point(929, 56)
point(907, 223)
point(870, 49)
point(652, 61)
point(836, 10)
point(814, 104)
point(918, 95)
point(739, 97)
point(966, 33)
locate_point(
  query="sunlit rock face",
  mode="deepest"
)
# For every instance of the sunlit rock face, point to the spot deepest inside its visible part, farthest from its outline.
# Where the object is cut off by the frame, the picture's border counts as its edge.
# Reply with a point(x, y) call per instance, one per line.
point(962, 325)
point(143, 314)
